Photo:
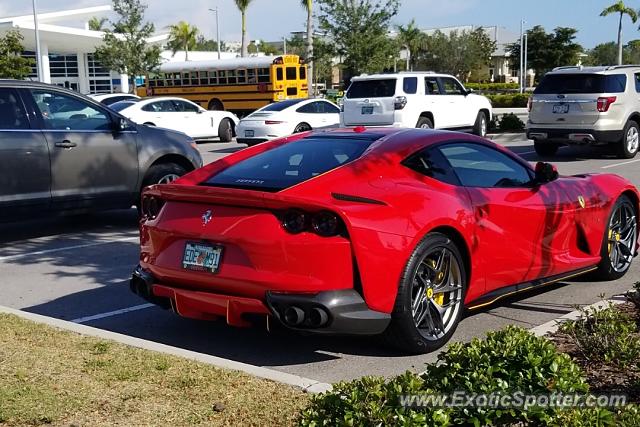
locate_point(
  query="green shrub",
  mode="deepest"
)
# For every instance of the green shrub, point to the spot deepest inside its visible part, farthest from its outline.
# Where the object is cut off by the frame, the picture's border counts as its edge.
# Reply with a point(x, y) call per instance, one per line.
point(606, 335)
point(508, 100)
point(495, 87)
point(505, 361)
point(507, 123)
point(626, 416)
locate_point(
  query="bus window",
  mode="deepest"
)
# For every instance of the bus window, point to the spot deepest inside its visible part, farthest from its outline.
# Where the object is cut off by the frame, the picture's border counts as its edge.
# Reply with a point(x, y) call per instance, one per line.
point(222, 77)
point(231, 77)
point(194, 79)
point(242, 76)
point(291, 73)
point(185, 79)
point(303, 73)
point(264, 76)
point(251, 76)
point(213, 77)
point(279, 73)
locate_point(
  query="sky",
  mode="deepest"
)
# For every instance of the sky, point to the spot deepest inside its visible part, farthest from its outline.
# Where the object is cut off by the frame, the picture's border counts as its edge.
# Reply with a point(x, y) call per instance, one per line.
point(271, 20)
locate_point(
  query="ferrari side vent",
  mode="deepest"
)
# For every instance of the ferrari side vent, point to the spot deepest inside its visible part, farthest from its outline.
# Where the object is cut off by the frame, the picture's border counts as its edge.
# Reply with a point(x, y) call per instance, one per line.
point(358, 199)
point(581, 240)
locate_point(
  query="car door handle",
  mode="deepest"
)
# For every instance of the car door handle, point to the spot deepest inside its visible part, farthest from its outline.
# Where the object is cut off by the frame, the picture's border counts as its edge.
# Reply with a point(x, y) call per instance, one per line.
point(66, 144)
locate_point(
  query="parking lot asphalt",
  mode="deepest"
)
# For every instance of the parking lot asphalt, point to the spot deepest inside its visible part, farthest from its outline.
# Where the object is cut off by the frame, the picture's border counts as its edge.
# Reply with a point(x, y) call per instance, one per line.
point(77, 268)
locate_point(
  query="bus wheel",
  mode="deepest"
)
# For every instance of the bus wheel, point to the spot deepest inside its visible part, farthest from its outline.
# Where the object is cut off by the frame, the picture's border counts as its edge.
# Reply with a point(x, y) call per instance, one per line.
point(216, 105)
point(302, 127)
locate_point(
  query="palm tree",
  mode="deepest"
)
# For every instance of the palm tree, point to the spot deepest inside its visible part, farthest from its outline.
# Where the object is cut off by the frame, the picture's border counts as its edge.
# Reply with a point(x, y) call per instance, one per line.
point(308, 6)
point(622, 9)
point(411, 38)
point(182, 36)
point(242, 6)
point(97, 24)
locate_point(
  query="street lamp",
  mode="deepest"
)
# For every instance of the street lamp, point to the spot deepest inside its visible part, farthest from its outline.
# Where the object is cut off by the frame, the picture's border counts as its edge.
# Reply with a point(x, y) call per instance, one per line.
point(217, 27)
point(38, 52)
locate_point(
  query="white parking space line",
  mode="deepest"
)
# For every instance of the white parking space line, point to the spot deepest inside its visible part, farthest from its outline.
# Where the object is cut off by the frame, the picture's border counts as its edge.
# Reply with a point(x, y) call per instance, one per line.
point(67, 248)
point(619, 164)
point(112, 313)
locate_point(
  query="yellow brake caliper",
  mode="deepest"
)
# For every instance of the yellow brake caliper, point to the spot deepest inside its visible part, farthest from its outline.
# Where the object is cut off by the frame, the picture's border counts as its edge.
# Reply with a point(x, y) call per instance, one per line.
point(439, 297)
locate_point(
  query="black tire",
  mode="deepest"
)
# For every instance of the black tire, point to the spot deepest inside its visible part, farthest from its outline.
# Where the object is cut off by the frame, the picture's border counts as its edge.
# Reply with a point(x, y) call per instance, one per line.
point(424, 123)
point(627, 149)
point(302, 127)
point(162, 173)
point(481, 124)
point(225, 130)
point(215, 105)
point(545, 149)
point(606, 269)
point(402, 332)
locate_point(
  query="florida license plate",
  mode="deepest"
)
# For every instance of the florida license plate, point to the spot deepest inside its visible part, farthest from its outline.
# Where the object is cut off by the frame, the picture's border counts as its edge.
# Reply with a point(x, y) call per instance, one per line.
point(367, 110)
point(201, 257)
point(248, 133)
point(560, 108)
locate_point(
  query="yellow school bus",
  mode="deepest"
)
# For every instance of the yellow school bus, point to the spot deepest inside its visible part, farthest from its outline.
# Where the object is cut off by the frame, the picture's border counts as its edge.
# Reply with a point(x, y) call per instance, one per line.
point(239, 84)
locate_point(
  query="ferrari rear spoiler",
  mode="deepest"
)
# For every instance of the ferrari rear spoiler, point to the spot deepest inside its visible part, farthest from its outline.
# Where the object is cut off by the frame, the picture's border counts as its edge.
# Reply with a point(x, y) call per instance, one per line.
point(231, 197)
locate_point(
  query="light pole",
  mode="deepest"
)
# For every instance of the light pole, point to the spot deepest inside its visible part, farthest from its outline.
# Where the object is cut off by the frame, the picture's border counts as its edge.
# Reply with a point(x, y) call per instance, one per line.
point(284, 46)
point(521, 54)
point(38, 51)
point(524, 75)
point(217, 27)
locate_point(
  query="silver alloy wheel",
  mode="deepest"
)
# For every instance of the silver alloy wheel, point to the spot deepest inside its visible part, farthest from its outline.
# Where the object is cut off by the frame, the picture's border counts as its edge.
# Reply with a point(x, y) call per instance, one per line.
point(483, 125)
point(622, 237)
point(425, 126)
point(168, 179)
point(633, 139)
point(436, 294)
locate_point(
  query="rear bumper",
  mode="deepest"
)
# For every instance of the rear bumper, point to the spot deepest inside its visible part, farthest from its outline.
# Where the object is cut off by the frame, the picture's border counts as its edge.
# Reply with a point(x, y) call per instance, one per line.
point(328, 312)
point(574, 136)
point(252, 141)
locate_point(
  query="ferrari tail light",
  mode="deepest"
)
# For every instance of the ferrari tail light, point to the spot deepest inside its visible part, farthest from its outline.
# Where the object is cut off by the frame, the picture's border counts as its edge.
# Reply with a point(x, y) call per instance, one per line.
point(604, 102)
point(399, 102)
point(273, 122)
point(323, 223)
point(151, 207)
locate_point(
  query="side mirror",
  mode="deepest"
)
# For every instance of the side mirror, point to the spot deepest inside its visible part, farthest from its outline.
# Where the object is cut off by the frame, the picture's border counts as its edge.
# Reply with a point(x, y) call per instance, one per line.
point(120, 124)
point(200, 111)
point(469, 92)
point(545, 172)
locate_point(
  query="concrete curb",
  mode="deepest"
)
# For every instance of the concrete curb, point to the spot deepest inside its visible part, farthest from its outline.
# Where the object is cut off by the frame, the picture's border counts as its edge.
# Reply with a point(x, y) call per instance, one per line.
point(306, 384)
point(553, 325)
point(506, 138)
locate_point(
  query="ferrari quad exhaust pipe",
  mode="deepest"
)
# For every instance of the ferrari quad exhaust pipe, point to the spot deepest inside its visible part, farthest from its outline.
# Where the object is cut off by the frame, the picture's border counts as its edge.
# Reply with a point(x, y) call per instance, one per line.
point(293, 316)
point(318, 317)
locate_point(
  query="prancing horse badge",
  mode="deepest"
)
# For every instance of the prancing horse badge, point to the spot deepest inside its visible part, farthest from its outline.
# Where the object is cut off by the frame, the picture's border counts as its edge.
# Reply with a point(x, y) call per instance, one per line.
point(581, 201)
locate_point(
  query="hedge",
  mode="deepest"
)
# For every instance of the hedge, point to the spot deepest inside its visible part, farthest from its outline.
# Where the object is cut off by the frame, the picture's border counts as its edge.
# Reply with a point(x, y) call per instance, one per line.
point(492, 86)
point(510, 100)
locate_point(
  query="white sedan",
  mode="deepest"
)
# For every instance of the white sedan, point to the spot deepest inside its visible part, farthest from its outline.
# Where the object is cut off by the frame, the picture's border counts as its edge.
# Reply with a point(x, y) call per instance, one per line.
point(112, 98)
point(181, 115)
point(286, 117)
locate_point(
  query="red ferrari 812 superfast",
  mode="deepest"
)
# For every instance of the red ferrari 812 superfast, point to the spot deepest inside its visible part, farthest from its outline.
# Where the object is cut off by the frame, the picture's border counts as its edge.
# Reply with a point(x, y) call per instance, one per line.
point(375, 231)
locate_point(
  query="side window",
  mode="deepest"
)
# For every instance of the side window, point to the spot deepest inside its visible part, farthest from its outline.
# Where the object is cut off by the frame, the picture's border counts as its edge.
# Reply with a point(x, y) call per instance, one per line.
point(431, 86)
point(12, 112)
point(309, 108)
point(479, 166)
point(451, 86)
point(329, 108)
point(185, 106)
point(279, 73)
point(410, 85)
point(637, 79)
point(431, 163)
point(64, 112)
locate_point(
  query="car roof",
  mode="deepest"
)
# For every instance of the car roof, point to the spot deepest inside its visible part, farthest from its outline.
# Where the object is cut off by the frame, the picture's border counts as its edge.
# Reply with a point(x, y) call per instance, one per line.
point(604, 69)
point(400, 74)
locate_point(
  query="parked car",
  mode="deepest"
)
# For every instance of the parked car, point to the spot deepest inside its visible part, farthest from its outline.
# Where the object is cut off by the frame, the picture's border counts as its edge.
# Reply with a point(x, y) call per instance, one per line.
point(376, 231)
point(181, 115)
point(586, 105)
point(287, 117)
point(414, 99)
point(63, 152)
point(112, 98)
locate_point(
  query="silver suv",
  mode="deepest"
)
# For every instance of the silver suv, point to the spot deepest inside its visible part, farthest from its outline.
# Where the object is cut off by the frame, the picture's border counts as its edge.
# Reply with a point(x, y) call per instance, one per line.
point(586, 105)
point(63, 152)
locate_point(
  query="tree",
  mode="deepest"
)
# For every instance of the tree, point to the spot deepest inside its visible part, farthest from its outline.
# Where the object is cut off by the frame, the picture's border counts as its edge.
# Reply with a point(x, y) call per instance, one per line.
point(359, 31)
point(269, 49)
point(412, 39)
point(603, 54)
point(547, 50)
point(458, 52)
point(12, 64)
point(308, 6)
point(182, 36)
point(620, 8)
point(208, 45)
point(242, 6)
point(97, 24)
point(125, 48)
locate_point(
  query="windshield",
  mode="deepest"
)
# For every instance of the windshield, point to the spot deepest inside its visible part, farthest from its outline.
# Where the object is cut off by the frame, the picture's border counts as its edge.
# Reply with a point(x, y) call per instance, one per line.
point(582, 83)
point(382, 88)
point(290, 164)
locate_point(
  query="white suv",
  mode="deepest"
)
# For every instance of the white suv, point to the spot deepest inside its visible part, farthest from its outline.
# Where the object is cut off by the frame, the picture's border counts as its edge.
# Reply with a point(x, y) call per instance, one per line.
point(586, 105)
point(414, 99)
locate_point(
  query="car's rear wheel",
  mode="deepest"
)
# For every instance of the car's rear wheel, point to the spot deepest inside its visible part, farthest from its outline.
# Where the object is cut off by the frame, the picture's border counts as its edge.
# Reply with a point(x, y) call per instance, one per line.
point(225, 130)
point(424, 123)
point(302, 127)
point(480, 127)
point(630, 143)
point(619, 241)
point(149, 124)
point(545, 149)
point(430, 298)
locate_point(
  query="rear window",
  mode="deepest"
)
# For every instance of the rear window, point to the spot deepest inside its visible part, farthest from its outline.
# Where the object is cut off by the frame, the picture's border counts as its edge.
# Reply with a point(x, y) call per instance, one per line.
point(121, 105)
point(382, 88)
point(290, 164)
point(279, 106)
point(582, 83)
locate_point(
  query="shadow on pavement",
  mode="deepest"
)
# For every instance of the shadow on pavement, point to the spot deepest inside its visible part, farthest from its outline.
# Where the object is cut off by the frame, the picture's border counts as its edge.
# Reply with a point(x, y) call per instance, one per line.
point(572, 153)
